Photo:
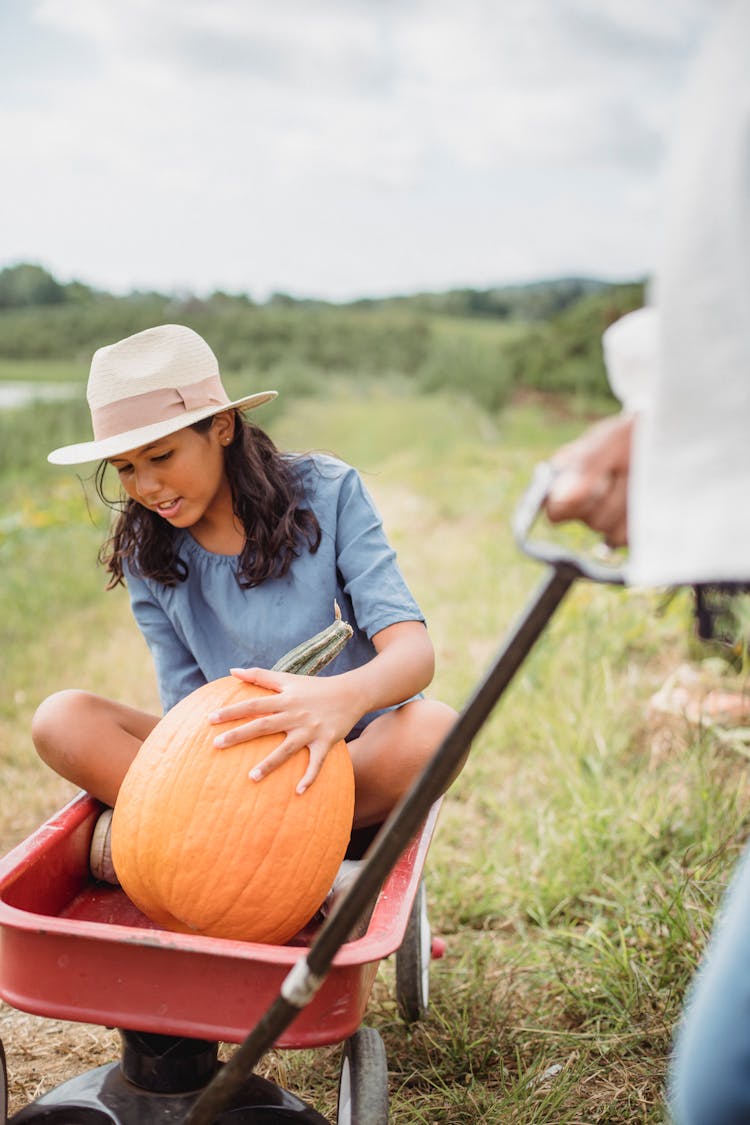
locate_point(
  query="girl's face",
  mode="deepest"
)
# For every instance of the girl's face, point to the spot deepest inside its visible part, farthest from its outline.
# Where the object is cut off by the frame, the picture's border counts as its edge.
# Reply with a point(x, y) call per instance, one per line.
point(182, 477)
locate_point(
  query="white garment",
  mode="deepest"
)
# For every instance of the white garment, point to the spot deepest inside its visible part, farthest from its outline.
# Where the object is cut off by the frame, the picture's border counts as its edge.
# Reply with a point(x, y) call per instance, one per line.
point(631, 356)
point(689, 501)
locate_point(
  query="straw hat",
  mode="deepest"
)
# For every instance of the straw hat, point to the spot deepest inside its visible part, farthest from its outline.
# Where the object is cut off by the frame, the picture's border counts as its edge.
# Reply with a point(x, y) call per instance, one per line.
point(148, 386)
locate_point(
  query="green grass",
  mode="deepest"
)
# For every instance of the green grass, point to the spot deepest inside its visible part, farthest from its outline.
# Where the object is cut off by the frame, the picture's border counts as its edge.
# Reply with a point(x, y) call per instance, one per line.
point(580, 855)
point(43, 371)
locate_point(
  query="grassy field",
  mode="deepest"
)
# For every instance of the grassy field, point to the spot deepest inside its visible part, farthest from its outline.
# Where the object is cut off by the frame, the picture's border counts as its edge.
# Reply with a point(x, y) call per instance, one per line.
point(579, 857)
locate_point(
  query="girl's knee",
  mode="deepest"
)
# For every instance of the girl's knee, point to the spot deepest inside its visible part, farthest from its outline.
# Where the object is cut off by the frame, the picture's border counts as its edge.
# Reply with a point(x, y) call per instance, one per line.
point(392, 752)
point(52, 714)
point(426, 722)
point(55, 720)
point(430, 720)
point(440, 715)
point(89, 740)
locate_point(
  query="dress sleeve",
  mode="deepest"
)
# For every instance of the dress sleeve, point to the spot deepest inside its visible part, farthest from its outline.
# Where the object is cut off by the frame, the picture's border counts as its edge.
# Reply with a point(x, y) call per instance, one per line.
point(177, 672)
point(368, 569)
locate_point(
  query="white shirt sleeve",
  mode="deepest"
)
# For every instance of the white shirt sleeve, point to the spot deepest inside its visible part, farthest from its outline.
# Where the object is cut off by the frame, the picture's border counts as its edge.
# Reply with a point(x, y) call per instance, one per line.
point(631, 356)
point(689, 503)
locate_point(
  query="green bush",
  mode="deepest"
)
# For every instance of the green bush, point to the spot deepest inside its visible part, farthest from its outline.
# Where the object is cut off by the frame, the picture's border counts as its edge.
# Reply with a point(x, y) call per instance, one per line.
point(564, 355)
point(472, 366)
point(28, 434)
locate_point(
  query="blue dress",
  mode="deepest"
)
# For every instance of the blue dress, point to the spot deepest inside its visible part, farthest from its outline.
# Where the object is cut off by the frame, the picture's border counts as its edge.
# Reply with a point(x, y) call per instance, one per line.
point(200, 628)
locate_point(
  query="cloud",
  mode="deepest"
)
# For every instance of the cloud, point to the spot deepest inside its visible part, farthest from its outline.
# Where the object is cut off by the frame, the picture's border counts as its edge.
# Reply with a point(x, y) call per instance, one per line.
point(320, 147)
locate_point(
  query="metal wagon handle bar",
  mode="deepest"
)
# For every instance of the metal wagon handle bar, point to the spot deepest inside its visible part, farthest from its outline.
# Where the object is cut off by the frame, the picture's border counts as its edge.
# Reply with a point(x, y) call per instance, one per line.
point(308, 974)
point(524, 518)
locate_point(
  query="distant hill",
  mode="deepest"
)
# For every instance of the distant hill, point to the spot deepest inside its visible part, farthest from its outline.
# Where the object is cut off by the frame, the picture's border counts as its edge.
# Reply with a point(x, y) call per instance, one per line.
point(536, 300)
point(28, 285)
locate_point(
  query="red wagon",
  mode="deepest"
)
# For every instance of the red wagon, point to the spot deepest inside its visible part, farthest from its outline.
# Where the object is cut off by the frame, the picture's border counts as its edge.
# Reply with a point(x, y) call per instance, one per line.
point(74, 949)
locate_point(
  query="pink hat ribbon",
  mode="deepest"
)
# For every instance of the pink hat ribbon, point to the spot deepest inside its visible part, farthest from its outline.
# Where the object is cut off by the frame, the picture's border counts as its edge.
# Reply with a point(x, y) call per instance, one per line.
point(115, 418)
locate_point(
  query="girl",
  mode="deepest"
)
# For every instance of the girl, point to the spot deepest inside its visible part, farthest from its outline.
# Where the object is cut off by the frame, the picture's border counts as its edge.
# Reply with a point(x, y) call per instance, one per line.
point(232, 554)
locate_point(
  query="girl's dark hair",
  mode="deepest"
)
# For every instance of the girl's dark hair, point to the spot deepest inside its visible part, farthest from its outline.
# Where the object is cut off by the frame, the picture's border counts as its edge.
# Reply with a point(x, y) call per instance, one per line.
point(267, 500)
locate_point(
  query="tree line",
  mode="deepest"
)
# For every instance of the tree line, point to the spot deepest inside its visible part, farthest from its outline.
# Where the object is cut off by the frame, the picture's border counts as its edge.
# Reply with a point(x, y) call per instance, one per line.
point(545, 336)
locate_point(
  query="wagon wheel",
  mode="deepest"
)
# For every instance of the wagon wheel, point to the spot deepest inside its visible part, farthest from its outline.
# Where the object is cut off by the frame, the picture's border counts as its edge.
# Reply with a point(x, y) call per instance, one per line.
point(413, 962)
point(363, 1083)
point(3, 1087)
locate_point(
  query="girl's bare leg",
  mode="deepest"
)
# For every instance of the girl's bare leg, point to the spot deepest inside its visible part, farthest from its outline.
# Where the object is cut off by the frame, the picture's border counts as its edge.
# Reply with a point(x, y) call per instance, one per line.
point(390, 754)
point(90, 740)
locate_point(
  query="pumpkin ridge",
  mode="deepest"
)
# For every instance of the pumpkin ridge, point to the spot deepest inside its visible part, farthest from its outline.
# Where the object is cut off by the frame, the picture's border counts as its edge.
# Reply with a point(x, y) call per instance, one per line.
point(213, 762)
point(271, 828)
point(329, 861)
point(170, 768)
point(260, 871)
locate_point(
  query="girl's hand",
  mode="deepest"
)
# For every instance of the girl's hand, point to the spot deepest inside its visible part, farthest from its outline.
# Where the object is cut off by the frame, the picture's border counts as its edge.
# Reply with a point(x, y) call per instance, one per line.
point(318, 711)
point(308, 711)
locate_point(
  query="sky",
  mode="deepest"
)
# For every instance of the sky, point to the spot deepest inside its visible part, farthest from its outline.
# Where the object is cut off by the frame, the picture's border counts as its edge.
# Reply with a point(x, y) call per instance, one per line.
point(337, 148)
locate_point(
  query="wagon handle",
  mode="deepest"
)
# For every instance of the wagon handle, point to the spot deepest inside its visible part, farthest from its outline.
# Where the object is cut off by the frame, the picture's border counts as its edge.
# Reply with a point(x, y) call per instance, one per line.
point(309, 973)
point(525, 516)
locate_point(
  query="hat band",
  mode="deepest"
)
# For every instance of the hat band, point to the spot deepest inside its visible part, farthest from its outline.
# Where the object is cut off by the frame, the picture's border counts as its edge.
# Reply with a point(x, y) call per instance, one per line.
point(160, 405)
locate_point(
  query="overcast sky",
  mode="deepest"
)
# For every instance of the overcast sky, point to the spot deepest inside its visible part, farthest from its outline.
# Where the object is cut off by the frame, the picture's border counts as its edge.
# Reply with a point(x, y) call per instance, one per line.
point(337, 148)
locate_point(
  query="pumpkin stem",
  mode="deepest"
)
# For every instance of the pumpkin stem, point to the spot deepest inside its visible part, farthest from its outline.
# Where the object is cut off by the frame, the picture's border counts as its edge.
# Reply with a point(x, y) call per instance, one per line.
point(308, 658)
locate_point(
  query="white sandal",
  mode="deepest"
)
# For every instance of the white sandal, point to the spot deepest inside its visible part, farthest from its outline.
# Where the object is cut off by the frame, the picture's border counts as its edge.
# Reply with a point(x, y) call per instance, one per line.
point(100, 852)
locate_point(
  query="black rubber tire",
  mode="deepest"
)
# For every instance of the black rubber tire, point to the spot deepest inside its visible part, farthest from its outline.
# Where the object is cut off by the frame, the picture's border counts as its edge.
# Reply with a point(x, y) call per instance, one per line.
point(3, 1087)
point(413, 962)
point(363, 1081)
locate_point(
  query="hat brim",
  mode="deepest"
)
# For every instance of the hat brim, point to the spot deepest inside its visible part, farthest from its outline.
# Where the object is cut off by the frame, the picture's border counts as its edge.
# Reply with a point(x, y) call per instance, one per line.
point(86, 451)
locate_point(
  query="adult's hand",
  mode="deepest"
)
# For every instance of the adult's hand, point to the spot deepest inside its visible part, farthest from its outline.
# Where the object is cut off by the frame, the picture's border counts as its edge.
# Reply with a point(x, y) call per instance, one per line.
point(591, 481)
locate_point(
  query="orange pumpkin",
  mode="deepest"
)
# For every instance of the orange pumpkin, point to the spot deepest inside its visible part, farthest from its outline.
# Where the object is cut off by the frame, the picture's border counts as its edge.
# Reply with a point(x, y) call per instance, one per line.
point(201, 848)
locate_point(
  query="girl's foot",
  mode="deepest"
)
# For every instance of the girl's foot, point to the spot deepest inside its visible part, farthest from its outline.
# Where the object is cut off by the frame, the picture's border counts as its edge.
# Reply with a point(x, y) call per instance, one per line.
point(346, 875)
point(100, 853)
